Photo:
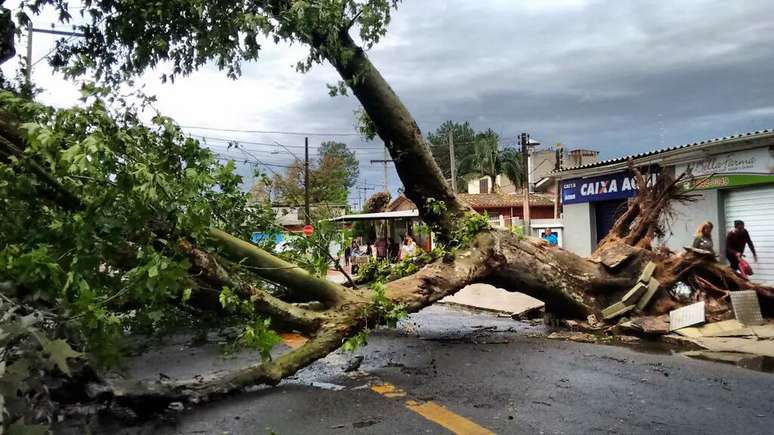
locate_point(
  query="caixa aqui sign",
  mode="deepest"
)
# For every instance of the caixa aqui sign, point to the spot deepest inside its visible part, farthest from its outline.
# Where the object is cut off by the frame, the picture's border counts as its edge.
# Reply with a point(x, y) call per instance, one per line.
point(619, 185)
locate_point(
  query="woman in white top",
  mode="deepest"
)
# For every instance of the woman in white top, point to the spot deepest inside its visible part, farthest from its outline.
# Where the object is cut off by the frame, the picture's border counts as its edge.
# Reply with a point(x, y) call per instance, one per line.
point(408, 248)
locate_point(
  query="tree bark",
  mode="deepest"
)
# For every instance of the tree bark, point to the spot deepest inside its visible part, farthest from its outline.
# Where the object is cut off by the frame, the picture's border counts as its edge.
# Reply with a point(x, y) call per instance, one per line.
point(422, 178)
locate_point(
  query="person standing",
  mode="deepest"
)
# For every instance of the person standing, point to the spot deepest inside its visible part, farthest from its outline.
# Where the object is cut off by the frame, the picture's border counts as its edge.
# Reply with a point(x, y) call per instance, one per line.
point(703, 239)
point(409, 248)
point(551, 237)
point(736, 241)
point(381, 248)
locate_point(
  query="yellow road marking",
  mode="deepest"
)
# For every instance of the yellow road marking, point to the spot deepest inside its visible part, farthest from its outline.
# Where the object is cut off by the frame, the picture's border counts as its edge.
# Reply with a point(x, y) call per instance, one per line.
point(292, 339)
point(389, 390)
point(442, 416)
point(434, 412)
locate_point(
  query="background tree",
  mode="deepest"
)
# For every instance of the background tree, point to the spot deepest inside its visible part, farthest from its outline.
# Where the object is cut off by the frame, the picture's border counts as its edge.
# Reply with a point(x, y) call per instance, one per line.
point(488, 159)
point(331, 177)
point(376, 203)
point(463, 135)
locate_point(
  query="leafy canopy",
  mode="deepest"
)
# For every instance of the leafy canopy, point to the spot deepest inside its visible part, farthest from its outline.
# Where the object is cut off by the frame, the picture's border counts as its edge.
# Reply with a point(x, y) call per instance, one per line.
point(113, 265)
point(330, 178)
point(125, 38)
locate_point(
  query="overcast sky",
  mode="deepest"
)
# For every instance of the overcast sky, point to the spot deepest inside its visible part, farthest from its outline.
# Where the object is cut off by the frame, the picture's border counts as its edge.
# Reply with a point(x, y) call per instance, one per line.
point(616, 76)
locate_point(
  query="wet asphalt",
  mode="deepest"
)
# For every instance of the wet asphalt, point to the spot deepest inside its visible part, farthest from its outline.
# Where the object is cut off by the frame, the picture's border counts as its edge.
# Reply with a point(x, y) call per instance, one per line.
point(496, 373)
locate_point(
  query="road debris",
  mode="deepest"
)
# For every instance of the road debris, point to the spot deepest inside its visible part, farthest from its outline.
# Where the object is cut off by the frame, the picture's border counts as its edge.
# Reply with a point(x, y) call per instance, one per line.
point(686, 316)
point(489, 298)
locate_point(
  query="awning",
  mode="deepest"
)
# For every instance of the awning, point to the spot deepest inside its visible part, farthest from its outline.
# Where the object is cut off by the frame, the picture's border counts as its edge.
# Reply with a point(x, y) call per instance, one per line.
point(400, 214)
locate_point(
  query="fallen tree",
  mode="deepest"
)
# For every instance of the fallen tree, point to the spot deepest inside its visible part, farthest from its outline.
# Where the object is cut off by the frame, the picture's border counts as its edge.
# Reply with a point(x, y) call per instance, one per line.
point(219, 266)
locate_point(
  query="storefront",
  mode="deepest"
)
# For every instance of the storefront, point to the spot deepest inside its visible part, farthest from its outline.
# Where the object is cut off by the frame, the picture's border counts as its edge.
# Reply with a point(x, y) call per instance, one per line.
point(740, 185)
point(732, 179)
point(595, 203)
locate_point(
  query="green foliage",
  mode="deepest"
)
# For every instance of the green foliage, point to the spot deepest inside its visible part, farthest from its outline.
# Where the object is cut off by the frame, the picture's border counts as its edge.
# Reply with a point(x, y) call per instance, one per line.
point(384, 271)
point(112, 266)
point(27, 350)
point(385, 312)
point(472, 224)
point(488, 159)
point(518, 230)
point(463, 136)
point(364, 125)
point(313, 252)
point(355, 342)
point(331, 177)
point(180, 36)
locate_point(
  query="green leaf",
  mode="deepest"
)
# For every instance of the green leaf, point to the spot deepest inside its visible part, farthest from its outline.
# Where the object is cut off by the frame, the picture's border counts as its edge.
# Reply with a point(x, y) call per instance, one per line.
point(59, 352)
point(153, 271)
point(186, 295)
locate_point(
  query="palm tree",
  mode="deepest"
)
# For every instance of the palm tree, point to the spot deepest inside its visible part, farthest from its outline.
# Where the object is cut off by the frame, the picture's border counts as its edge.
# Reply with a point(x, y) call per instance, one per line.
point(489, 160)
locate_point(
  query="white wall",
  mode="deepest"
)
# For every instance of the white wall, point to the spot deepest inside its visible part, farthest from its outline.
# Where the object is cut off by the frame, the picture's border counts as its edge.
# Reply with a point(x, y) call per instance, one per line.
point(579, 228)
point(687, 218)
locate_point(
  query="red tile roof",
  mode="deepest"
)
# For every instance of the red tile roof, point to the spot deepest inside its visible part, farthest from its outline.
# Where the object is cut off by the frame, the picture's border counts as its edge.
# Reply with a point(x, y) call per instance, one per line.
point(485, 200)
point(493, 200)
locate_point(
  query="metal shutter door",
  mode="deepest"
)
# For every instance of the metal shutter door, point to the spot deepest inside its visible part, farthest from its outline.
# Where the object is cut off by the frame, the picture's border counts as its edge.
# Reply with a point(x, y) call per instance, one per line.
point(754, 206)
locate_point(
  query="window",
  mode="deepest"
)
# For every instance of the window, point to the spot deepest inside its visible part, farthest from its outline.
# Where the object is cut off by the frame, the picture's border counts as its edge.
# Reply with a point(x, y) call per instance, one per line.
point(483, 185)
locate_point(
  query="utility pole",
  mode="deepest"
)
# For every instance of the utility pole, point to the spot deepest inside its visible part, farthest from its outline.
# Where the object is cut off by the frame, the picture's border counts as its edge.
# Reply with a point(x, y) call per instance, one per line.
point(365, 190)
point(306, 181)
point(29, 55)
point(525, 161)
point(384, 161)
point(557, 167)
point(452, 163)
point(30, 31)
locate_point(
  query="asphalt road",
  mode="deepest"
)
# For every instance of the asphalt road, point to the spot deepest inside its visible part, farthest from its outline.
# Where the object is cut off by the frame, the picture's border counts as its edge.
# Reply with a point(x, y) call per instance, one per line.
point(447, 370)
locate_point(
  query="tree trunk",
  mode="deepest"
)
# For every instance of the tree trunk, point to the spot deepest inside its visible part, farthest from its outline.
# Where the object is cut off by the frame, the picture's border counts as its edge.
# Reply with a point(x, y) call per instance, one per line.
point(422, 178)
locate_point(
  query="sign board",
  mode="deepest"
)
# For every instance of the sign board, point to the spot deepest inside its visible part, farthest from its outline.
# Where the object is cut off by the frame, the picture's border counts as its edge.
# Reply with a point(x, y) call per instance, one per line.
point(739, 168)
point(308, 230)
point(619, 185)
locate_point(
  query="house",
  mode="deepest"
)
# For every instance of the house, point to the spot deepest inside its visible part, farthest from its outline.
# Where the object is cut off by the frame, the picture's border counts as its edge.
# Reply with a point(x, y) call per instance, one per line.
point(291, 217)
point(731, 177)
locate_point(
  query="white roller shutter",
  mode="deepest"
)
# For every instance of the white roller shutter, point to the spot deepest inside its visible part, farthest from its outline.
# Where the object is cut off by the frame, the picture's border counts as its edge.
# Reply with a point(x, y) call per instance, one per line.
point(754, 206)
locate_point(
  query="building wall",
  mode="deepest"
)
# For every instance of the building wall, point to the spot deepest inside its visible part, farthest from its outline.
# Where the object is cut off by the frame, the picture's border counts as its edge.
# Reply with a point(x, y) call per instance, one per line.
point(688, 217)
point(579, 228)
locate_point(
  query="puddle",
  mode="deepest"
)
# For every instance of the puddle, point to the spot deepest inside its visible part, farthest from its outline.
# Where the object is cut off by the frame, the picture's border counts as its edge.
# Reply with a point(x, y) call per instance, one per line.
point(759, 363)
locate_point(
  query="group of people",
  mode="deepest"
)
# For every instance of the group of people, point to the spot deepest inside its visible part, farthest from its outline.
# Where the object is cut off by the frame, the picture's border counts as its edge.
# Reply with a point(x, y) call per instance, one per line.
point(736, 242)
point(382, 249)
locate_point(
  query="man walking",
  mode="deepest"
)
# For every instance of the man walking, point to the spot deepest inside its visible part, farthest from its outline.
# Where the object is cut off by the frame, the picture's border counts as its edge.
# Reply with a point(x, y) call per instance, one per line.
point(736, 241)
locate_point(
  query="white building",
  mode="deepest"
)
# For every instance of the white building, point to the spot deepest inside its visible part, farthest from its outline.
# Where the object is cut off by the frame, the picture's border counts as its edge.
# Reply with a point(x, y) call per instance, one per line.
point(733, 178)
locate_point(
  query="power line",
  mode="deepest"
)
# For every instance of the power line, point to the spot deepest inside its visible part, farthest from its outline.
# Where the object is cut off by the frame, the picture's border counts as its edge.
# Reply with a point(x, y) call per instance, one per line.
point(248, 142)
point(294, 133)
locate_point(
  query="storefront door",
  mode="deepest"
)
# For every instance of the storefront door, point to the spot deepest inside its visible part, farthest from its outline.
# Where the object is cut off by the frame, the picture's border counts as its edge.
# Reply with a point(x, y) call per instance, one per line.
point(606, 213)
point(754, 206)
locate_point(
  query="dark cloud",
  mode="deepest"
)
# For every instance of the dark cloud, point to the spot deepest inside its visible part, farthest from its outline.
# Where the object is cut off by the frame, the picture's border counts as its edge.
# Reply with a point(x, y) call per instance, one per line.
point(618, 77)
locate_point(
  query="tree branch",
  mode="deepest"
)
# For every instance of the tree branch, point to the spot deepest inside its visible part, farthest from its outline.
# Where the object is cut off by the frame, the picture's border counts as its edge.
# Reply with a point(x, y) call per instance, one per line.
point(279, 271)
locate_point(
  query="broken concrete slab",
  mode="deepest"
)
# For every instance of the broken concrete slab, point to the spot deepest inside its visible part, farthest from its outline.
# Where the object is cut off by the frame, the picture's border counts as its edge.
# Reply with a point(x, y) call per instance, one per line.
point(746, 307)
point(615, 310)
point(490, 298)
point(634, 294)
point(647, 273)
point(726, 328)
point(686, 316)
point(733, 344)
point(763, 331)
point(653, 286)
point(745, 360)
point(653, 325)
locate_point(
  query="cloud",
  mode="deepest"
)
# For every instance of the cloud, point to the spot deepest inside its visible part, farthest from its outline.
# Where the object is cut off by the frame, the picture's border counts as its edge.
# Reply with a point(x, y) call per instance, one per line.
point(620, 77)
